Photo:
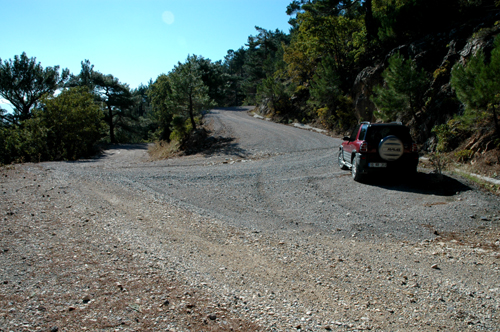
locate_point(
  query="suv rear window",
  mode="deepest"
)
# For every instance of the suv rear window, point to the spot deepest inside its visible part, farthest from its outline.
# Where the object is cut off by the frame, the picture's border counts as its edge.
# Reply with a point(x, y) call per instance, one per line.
point(376, 133)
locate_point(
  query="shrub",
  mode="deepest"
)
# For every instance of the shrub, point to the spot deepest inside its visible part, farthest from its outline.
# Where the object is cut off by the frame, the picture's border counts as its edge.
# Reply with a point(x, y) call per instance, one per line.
point(66, 127)
point(438, 162)
point(180, 128)
point(464, 155)
point(74, 124)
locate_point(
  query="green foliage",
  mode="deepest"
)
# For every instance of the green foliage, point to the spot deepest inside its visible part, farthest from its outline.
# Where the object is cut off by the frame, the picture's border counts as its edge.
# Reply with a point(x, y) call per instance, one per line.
point(138, 127)
point(66, 127)
point(114, 97)
point(233, 69)
point(446, 135)
point(340, 38)
point(456, 130)
point(159, 93)
point(4, 118)
point(329, 42)
point(305, 75)
point(180, 128)
point(334, 107)
point(262, 58)
point(441, 71)
point(189, 96)
point(26, 143)
point(464, 155)
point(117, 100)
point(401, 97)
point(180, 97)
point(213, 76)
point(74, 124)
point(477, 85)
point(272, 92)
point(23, 82)
point(244, 70)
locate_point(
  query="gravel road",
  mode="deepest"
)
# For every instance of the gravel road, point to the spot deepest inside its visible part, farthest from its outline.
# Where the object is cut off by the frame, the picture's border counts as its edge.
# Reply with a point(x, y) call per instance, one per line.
point(265, 233)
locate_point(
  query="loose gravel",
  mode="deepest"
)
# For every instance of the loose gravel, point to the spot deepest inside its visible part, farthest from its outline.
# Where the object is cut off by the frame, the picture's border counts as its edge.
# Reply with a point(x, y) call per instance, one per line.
point(264, 233)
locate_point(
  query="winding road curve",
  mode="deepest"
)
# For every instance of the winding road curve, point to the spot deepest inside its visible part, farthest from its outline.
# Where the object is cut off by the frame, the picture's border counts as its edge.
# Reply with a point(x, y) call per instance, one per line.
point(278, 178)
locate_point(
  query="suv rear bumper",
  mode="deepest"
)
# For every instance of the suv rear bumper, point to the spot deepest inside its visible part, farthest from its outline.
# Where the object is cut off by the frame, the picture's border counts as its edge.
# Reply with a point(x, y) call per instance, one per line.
point(369, 163)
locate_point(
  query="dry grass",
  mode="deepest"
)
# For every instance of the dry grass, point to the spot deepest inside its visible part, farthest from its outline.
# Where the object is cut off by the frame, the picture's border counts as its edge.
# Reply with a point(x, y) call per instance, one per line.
point(163, 150)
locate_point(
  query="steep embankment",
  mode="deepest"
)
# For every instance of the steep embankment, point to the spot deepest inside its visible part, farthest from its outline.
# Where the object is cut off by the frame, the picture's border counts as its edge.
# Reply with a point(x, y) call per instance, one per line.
point(436, 54)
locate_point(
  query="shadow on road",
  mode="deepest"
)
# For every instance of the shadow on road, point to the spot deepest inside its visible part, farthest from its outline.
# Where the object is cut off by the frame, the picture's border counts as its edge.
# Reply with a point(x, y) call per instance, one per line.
point(236, 108)
point(422, 183)
point(217, 146)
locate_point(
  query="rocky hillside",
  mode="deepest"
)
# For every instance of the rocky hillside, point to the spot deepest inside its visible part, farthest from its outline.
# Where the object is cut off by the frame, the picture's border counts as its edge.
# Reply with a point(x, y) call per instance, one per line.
point(436, 53)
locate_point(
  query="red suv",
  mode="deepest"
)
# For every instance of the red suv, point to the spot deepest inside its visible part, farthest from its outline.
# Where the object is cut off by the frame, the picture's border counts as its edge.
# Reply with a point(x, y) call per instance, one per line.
point(378, 147)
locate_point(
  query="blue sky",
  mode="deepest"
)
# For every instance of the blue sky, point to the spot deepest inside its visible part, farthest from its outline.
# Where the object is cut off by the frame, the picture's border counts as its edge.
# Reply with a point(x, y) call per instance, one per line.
point(134, 40)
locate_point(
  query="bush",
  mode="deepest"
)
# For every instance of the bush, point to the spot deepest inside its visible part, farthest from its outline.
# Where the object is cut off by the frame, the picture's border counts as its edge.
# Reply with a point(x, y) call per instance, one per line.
point(180, 128)
point(66, 127)
point(74, 124)
point(464, 155)
point(452, 133)
point(438, 162)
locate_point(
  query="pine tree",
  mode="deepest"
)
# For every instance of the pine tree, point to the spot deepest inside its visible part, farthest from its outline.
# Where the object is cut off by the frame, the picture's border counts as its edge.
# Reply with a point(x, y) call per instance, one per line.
point(401, 96)
point(477, 85)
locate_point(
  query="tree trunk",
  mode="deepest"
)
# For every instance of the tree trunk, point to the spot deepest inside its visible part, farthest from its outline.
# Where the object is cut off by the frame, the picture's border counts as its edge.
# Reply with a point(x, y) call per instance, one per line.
point(371, 29)
point(25, 113)
point(111, 125)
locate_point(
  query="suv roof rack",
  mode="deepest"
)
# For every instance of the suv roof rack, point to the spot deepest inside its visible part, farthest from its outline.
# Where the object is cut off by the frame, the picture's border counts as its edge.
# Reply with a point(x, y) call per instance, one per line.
point(397, 122)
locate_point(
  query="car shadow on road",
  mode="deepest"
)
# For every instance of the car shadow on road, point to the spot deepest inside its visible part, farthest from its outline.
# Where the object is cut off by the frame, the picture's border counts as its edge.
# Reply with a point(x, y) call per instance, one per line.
point(422, 183)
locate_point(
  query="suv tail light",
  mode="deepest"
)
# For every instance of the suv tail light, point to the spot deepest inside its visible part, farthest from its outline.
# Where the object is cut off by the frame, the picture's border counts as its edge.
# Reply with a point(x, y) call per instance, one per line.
point(414, 147)
point(363, 147)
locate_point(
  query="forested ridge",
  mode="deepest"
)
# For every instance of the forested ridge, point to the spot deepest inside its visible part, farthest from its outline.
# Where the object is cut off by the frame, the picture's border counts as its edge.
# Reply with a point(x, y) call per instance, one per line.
point(433, 65)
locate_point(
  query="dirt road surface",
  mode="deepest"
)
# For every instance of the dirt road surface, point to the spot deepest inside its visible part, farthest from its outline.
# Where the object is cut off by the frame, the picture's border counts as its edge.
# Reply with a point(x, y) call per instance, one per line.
point(265, 233)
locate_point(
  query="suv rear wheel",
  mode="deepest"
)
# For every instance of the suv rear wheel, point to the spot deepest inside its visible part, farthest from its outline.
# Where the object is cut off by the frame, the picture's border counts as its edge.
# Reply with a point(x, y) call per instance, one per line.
point(355, 169)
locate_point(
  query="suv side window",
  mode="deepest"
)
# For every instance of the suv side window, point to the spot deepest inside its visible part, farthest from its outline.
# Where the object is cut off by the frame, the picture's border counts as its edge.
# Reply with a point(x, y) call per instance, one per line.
point(354, 134)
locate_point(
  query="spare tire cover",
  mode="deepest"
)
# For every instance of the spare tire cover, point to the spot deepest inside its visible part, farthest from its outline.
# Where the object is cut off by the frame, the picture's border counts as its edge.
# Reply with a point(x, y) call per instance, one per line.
point(390, 148)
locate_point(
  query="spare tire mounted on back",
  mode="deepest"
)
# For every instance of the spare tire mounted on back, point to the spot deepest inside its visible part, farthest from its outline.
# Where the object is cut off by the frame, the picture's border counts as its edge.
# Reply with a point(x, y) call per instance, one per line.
point(390, 148)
